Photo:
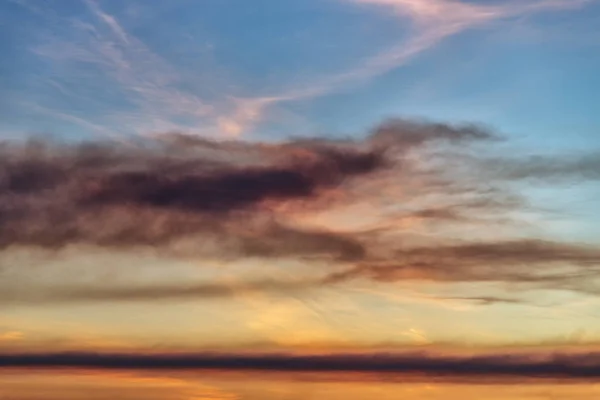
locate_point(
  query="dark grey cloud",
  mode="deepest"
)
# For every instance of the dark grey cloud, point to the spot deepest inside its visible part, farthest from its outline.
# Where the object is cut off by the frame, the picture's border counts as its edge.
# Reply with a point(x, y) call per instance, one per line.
point(555, 365)
point(157, 180)
point(53, 198)
point(412, 133)
point(230, 189)
point(156, 192)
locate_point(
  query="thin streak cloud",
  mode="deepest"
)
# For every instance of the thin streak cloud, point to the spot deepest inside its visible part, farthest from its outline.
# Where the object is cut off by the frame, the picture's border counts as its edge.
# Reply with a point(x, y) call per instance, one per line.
point(565, 366)
point(149, 293)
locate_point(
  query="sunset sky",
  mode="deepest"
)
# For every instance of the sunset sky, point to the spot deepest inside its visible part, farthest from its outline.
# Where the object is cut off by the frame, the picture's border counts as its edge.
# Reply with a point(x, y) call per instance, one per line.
point(295, 197)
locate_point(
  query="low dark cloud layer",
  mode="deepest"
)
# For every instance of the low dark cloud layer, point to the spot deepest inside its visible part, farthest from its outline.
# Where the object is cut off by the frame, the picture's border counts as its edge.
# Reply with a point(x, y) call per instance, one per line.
point(481, 366)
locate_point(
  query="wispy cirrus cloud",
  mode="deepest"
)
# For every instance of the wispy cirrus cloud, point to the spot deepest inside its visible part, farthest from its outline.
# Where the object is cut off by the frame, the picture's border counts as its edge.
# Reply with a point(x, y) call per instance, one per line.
point(432, 20)
point(112, 62)
point(158, 94)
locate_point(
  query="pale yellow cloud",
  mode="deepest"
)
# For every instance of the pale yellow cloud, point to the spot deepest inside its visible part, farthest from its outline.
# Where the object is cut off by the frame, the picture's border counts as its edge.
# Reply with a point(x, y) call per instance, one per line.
point(289, 322)
point(11, 336)
point(416, 335)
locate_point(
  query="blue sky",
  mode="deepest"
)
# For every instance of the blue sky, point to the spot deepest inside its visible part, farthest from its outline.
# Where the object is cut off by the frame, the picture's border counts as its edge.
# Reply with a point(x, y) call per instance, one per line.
point(271, 69)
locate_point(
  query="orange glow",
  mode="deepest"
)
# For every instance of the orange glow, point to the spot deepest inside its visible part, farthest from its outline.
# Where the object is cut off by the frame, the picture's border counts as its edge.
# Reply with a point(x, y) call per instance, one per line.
point(42, 385)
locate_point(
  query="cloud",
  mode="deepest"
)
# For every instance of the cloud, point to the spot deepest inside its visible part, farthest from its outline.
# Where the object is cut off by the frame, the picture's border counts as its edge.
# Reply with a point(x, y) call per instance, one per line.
point(99, 50)
point(110, 195)
point(11, 336)
point(80, 294)
point(555, 365)
point(98, 194)
point(518, 261)
point(439, 14)
point(419, 183)
point(432, 21)
point(533, 263)
point(161, 94)
point(548, 168)
point(486, 300)
point(109, 20)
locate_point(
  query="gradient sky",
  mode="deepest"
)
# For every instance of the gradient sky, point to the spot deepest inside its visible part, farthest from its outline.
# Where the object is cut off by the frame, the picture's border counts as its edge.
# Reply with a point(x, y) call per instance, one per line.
point(313, 175)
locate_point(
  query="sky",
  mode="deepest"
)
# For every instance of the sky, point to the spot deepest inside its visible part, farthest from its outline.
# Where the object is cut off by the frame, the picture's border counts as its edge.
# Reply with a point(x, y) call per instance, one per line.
point(306, 198)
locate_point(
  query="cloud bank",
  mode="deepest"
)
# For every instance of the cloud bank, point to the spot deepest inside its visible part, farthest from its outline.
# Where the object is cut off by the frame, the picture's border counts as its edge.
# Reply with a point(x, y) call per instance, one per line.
point(208, 200)
point(586, 365)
